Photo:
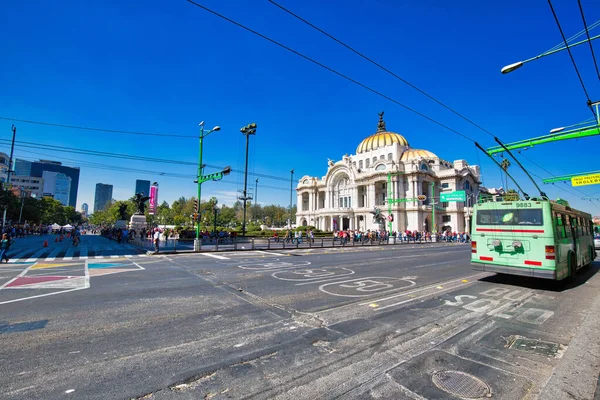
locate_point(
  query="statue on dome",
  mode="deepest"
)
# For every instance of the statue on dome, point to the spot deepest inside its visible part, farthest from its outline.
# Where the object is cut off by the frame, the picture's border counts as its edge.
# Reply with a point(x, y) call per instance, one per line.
point(330, 162)
point(381, 123)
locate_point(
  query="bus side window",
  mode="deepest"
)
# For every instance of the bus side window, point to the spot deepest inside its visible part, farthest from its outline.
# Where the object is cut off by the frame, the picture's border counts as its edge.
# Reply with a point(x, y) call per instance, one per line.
point(567, 226)
point(560, 231)
point(578, 222)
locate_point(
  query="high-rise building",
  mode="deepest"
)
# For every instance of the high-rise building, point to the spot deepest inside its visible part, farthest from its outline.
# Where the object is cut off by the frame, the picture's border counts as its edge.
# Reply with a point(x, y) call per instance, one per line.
point(142, 187)
point(103, 196)
point(22, 167)
point(58, 185)
point(85, 209)
point(37, 169)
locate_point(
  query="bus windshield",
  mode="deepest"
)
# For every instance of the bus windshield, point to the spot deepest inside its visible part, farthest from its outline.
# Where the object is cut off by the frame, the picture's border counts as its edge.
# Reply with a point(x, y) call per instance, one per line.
point(517, 216)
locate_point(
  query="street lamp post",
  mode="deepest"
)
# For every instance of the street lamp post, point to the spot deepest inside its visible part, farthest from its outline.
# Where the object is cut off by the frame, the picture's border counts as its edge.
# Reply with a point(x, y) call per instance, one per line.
point(203, 134)
point(247, 130)
point(291, 191)
point(511, 67)
point(22, 200)
point(256, 191)
point(216, 210)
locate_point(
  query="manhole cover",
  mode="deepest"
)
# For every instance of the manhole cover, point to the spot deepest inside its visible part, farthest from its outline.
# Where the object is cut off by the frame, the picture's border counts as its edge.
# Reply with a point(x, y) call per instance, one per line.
point(461, 384)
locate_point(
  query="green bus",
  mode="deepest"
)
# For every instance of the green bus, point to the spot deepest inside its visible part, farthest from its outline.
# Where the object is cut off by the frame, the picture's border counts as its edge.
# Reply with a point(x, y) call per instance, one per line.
point(538, 238)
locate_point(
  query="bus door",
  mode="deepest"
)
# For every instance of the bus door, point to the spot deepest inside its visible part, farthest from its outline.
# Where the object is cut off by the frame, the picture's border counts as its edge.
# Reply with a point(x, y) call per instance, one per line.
point(575, 236)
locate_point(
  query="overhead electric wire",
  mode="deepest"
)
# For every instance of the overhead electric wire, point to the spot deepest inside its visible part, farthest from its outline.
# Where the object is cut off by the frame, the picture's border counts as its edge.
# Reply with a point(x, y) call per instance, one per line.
point(87, 128)
point(381, 67)
point(312, 60)
point(575, 36)
point(588, 37)
point(127, 157)
point(589, 101)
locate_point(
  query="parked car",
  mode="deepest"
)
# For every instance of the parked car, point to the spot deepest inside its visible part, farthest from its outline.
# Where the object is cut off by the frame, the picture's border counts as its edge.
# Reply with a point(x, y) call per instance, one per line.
point(597, 241)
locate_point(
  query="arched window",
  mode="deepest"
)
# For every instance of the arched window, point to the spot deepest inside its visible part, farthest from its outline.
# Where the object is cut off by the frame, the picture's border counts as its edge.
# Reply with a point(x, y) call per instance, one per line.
point(354, 164)
point(367, 163)
point(390, 156)
point(467, 186)
point(424, 167)
point(382, 157)
point(374, 160)
point(360, 164)
point(380, 167)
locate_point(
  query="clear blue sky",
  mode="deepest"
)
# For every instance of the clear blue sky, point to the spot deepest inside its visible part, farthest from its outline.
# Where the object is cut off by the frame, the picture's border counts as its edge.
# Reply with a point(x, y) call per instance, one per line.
point(163, 66)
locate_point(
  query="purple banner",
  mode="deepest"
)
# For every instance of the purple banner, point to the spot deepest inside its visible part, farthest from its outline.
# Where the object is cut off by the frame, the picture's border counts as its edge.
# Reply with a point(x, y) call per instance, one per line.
point(153, 199)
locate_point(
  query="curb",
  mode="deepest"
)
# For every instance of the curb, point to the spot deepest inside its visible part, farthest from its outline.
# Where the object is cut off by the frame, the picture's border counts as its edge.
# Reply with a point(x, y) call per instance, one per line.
point(577, 375)
point(291, 249)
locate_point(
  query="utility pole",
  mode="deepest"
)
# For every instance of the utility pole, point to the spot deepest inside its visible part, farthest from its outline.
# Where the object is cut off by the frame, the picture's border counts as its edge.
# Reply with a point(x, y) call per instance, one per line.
point(247, 130)
point(10, 162)
point(291, 190)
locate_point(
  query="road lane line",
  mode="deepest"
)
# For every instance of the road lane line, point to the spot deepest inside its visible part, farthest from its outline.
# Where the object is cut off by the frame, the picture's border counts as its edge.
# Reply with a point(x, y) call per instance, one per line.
point(471, 277)
point(98, 256)
point(268, 252)
point(41, 295)
point(215, 256)
point(18, 276)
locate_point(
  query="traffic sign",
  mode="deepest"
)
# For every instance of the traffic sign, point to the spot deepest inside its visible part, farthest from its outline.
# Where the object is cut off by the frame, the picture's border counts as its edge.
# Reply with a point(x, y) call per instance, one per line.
point(458, 195)
point(421, 197)
point(592, 179)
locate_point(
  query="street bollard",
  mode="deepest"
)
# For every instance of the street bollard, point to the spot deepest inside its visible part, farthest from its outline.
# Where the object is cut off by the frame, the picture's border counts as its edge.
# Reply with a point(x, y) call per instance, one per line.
point(252, 243)
point(268, 243)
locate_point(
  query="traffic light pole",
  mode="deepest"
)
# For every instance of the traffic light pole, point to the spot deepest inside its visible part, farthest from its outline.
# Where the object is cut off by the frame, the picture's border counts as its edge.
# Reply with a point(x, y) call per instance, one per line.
point(10, 161)
point(198, 241)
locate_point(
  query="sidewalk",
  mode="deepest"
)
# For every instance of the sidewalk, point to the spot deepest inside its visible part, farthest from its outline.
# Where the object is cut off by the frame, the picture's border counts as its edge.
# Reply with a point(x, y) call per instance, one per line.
point(31, 249)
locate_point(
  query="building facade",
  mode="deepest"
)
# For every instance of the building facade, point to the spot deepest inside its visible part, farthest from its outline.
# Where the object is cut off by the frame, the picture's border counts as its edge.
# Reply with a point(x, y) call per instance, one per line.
point(85, 209)
point(4, 164)
point(57, 185)
point(103, 196)
point(142, 186)
point(32, 185)
point(22, 167)
point(37, 169)
point(386, 168)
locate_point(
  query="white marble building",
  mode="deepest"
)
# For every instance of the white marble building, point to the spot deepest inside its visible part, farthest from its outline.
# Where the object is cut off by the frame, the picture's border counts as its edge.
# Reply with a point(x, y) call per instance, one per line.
point(385, 166)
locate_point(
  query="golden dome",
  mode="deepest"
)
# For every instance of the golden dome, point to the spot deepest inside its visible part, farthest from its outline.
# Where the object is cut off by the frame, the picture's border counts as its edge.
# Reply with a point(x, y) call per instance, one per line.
point(380, 139)
point(415, 154)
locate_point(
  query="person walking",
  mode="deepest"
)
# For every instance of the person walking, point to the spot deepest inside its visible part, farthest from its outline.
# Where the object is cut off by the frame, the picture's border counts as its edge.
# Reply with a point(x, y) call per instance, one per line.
point(156, 240)
point(4, 246)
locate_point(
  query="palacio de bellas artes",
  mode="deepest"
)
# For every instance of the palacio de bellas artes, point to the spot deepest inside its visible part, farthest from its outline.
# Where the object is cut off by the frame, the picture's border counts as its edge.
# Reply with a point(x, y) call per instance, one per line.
point(388, 185)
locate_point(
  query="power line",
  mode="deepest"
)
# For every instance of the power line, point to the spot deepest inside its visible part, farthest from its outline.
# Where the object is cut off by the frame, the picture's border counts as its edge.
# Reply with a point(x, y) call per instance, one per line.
point(571, 55)
point(312, 60)
point(128, 157)
point(588, 37)
point(133, 170)
point(380, 66)
point(87, 128)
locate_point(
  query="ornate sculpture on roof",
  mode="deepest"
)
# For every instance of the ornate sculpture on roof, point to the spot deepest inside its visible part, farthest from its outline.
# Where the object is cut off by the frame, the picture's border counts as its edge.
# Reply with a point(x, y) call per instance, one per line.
point(381, 123)
point(330, 162)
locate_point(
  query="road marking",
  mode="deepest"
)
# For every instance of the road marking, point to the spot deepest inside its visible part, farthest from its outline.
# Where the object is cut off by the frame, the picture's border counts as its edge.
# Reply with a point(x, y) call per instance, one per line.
point(99, 257)
point(114, 256)
point(268, 252)
point(41, 295)
point(17, 277)
point(215, 256)
point(472, 277)
point(368, 285)
point(128, 256)
point(35, 255)
point(425, 295)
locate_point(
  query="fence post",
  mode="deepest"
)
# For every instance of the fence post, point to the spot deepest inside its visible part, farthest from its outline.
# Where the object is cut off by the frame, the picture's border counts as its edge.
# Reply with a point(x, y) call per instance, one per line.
point(268, 243)
point(252, 243)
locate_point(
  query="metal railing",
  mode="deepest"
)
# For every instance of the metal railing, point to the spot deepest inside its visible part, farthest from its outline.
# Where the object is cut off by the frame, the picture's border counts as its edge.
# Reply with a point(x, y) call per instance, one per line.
point(258, 243)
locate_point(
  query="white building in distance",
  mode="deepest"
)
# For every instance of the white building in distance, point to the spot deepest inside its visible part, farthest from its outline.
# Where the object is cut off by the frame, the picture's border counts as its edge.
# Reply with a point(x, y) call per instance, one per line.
point(386, 167)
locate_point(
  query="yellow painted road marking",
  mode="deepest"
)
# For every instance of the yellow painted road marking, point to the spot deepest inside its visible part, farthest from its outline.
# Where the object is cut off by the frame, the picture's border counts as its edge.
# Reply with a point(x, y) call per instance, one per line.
point(439, 287)
point(464, 280)
point(41, 266)
point(373, 305)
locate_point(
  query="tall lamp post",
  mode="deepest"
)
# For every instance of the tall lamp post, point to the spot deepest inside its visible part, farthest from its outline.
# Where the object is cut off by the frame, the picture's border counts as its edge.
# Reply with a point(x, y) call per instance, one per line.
point(216, 210)
point(247, 130)
point(203, 134)
point(256, 191)
point(291, 191)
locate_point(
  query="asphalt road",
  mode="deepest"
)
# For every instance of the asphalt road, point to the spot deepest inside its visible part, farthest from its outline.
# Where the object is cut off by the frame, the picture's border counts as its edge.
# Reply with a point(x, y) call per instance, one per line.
point(399, 322)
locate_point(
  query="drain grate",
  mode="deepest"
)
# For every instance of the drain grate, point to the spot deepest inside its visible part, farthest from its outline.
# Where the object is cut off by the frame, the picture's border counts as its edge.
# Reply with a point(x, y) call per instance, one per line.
point(461, 384)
